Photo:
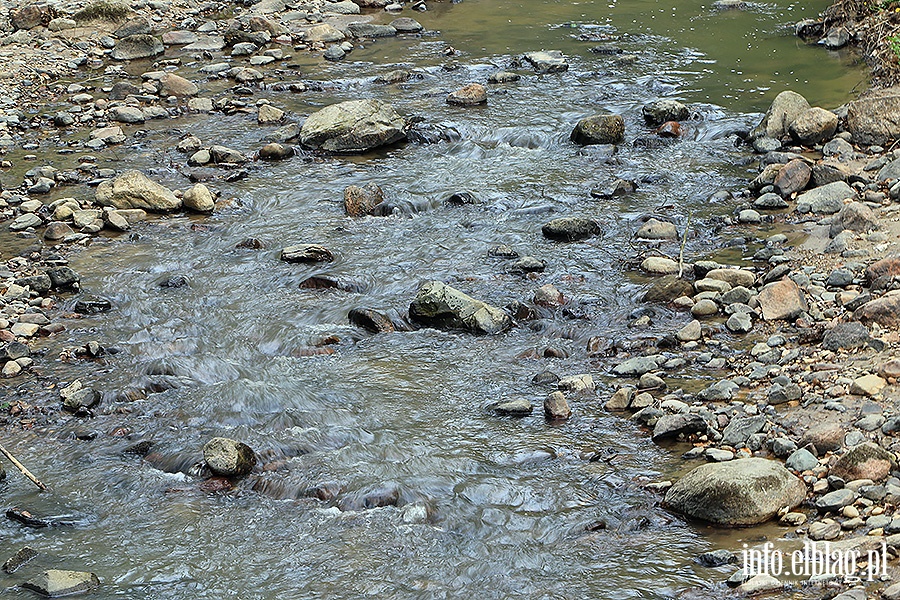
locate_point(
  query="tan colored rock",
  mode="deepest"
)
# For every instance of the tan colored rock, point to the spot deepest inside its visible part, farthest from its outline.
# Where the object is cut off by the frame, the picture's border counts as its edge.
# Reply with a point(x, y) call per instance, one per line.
point(175, 85)
point(199, 199)
point(734, 277)
point(867, 385)
point(782, 300)
point(132, 189)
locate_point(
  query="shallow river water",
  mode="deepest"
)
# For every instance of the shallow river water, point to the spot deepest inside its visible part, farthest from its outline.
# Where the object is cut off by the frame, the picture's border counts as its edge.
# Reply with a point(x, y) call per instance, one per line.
point(488, 506)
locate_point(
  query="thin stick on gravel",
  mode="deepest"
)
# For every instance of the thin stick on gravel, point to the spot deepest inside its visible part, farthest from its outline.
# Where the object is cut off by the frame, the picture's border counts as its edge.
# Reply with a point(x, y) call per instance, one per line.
point(681, 251)
point(22, 468)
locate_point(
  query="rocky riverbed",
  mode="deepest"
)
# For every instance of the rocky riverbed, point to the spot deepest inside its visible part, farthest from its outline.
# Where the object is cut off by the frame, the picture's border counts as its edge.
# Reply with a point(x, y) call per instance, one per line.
point(799, 425)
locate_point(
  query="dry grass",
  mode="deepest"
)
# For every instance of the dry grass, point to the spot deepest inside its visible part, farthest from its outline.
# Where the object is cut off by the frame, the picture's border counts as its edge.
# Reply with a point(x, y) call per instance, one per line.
point(876, 28)
point(103, 10)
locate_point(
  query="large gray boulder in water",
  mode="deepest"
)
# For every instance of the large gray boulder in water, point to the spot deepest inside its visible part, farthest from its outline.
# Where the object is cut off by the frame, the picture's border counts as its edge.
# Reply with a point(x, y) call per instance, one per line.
point(736, 493)
point(439, 305)
point(353, 127)
point(132, 189)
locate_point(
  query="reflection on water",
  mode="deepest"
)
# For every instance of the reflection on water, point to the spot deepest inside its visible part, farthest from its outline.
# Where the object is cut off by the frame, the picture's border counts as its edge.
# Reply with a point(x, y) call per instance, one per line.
point(477, 504)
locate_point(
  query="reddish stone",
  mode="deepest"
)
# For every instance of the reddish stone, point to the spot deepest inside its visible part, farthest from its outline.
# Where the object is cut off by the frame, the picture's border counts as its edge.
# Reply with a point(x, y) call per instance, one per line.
point(793, 177)
point(782, 300)
point(889, 267)
point(885, 311)
point(215, 484)
point(669, 129)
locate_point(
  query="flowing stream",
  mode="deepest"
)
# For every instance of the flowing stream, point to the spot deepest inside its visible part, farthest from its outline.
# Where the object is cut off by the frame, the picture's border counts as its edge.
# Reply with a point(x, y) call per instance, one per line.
point(488, 506)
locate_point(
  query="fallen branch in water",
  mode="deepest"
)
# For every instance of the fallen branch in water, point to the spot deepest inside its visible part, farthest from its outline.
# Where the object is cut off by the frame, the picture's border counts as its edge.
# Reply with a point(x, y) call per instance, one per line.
point(22, 468)
point(681, 252)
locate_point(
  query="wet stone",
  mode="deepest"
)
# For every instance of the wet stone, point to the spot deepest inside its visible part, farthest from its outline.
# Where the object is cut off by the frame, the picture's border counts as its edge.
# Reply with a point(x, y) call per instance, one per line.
point(305, 253)
point(20, 558)
point(55, 583)
point(514, 408)
point(717, 558)
point(228, 458)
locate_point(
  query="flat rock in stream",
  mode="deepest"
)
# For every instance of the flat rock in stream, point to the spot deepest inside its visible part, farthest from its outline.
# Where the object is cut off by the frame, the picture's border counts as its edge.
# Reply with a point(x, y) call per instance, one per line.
point(55, 583)
point(569, 229)
point(439, 305)
point(137, 46)
point(132, 189)
point(306, 253)
point(737, 493)
point(353, 127)
point(547, 61)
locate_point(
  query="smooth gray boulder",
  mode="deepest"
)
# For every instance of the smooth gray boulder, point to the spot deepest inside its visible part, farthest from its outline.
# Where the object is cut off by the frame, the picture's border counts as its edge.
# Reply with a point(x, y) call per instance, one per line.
point(439, 305)
point(827, 199)
point(737, 493)
point(875, 117)
point(353, 127)
point(785, 109)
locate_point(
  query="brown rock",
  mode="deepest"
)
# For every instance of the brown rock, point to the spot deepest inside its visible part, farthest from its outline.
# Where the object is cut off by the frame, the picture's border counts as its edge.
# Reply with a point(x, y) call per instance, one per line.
point(56, 231)
point(813, 126)
point(556, 408)
point(866, 461)
point(469, 95)
point(855, 216)
point(782, 300)
point(826, 437)
point(793, 177)
point(669, 129)
point(885, 311)
point(360, 201)
point(667, 288)
point(371, 320)
point(886, 267)
point(599, 129)
point(176, 85)
point(30, 17)
point(890, 369)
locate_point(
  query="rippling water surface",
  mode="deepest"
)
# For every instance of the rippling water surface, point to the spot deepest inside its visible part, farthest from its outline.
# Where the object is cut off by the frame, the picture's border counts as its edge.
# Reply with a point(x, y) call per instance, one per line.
point(486, 506)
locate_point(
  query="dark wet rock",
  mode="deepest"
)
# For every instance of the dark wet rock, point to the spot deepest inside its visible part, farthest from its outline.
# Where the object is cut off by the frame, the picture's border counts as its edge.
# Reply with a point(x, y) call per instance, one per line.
point(137, 46)
point(352, 127)
point(667, 288)
point(550, 61)
point(736, 493)
point(14, 351)
point(793, 177)
point(786, 107)
point(672, 426)
point(370, 30)
point(846, 336)
point(320, 282)
point(884, 311)
point(782, 300)
point(835, 38)
point(79, 399)
point(519, 407)
point(63, 278)
point(599, 129)
point(439, 305)
point(371, 320)
point(228, 458)
point(19, 559)
point(659, 111)
point(304, 253)
point(56, 231)
point(37, 283)
point(836, 500)
point(618, 187)
point(275, 151)
point(717, 558)
point(132, 189)
point(770, 201)
point(388, 495)
point(875, 117)
point(503, 77)
point(570, 229)
point(740, 429)
point(813, 126)
point(463, 197)
point(866, 461)
point(469, 95)
point(27, 518)
point(92, 305)
point(545, 378)
point(56, 583)
point(827, 199)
